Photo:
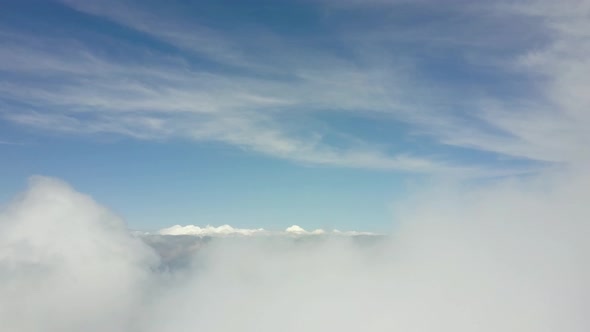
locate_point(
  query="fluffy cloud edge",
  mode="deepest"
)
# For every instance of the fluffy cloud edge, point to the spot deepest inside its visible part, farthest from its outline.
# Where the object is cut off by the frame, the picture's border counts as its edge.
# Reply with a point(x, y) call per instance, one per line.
point(229, 231)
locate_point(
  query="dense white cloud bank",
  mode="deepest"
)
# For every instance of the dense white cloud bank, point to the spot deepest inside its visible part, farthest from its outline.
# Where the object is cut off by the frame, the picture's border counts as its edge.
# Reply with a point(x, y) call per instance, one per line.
point(224, 230)
point(227, 230)
point(510, 257)
point(67, 264)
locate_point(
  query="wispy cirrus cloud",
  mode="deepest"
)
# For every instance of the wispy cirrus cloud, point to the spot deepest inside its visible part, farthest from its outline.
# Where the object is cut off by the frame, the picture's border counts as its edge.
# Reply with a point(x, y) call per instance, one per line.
point(8, 143)
point(262, 90)
point(552, 125)
point(163, 97)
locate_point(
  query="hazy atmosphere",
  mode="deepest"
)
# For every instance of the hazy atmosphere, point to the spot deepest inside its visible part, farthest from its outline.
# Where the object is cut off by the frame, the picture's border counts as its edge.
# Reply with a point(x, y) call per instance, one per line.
point(329, 165)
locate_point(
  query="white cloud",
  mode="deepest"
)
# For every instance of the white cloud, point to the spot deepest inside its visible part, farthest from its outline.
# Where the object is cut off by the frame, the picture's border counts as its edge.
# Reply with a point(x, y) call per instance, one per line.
point(9, 143)
point(295, 229)
point(157, 101)
point(67, 264)
point(159, 96)
point(224, 230)
point(227, 230)
point(553, 125)
point(510, 257)
point(487, 259)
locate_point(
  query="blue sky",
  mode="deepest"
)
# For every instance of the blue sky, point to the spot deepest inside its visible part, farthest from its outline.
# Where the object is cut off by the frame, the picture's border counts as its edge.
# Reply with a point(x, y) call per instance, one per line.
point(271, 113)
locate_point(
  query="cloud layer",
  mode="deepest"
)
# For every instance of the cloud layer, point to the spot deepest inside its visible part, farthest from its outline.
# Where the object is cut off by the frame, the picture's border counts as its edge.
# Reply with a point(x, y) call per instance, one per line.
point(227, 230)
point(68, 264)
point(517, 94)
point(510, 257)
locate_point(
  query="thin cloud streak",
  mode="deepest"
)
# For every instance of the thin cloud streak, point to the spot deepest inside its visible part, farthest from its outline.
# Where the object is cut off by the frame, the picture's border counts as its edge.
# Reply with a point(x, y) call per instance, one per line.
point(229, 231)
point(164, 96)
point(554, 127)
point(9, 143)
point(151, 102)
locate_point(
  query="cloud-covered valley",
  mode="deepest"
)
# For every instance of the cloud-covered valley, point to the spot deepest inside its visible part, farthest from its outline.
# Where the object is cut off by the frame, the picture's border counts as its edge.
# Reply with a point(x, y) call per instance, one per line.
point(507, 257)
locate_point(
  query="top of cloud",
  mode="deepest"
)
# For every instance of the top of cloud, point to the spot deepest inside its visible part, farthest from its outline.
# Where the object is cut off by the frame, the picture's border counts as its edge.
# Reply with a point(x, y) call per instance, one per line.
point(229, 231)
point(224, 230)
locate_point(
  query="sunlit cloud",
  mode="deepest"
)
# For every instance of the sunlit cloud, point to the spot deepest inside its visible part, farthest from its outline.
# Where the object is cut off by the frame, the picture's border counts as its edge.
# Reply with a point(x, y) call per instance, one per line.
point(510, 256)
point(229, 231)
point(243, 100)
